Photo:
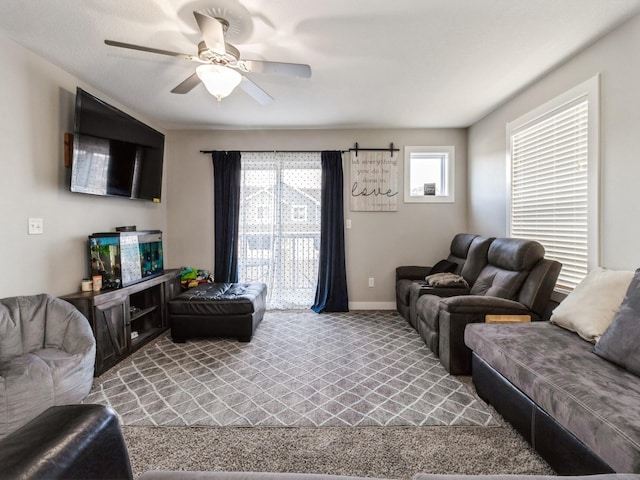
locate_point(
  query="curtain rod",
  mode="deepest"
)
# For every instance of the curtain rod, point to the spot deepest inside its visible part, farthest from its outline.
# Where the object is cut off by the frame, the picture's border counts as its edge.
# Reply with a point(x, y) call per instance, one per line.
point(271, 151)
point(356, 149)
point(390, 149)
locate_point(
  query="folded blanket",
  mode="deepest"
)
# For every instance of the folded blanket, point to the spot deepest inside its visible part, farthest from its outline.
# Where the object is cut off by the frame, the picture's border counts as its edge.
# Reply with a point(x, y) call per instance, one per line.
point(446, 280)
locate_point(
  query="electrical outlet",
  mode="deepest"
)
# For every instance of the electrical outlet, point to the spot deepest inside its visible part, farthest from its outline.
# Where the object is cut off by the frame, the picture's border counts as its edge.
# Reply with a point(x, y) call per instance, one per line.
point(371, 282)
point(36, 226)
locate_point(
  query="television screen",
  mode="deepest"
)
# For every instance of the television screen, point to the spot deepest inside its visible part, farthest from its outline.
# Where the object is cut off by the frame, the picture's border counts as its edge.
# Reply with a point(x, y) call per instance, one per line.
point(113, 153)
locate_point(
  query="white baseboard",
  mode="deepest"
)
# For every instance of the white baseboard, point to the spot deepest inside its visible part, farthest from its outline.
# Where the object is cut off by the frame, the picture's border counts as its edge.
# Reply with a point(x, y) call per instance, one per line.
point(372, 305)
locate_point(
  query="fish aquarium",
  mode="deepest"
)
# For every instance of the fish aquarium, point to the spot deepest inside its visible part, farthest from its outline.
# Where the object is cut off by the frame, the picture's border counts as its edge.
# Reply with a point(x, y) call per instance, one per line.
point(125, 258)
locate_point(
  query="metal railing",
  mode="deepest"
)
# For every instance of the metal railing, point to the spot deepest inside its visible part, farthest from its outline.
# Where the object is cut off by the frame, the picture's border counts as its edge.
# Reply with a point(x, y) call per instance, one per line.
point(287, 263)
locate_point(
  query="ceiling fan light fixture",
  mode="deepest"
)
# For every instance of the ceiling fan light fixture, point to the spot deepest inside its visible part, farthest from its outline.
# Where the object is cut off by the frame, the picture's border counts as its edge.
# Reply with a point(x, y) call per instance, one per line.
point(219, 81)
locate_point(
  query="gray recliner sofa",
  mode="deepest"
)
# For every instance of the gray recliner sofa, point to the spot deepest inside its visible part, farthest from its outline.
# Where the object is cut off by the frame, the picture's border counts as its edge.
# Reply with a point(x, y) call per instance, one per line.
point(475, 262)
point(467, 256)
point(516, 280)
point(47, 355)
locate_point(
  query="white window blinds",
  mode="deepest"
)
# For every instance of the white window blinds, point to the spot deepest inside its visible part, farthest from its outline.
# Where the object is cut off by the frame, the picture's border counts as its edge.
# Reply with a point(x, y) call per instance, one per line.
point(549, 181)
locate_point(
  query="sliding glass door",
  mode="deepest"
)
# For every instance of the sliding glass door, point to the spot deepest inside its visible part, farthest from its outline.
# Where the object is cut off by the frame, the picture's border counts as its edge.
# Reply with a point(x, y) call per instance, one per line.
point(279, 236)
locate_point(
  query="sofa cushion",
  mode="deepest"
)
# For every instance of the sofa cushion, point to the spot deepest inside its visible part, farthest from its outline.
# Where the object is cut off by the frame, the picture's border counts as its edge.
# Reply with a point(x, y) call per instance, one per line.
point(515, 254)
point(26, 390)
point(69, 373)
point(509, 261)
point(22, 324)
point(496, 282)
point(589, 309)
point(403, 289)
point(476, 259)
point(619, 343)
point(594, 399)
point(428, 307)
point(460, 245)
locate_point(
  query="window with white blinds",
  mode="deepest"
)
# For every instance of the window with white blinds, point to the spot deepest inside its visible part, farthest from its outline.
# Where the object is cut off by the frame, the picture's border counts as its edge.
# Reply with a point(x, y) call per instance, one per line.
point(553, 173)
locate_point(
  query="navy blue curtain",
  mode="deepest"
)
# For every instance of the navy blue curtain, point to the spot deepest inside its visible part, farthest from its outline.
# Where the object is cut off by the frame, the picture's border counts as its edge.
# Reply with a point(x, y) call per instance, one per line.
point(226, 181)
point(331, 293)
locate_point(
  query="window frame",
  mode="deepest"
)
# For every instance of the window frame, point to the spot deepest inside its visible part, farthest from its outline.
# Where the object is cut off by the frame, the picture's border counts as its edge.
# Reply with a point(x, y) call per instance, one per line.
point(448, 152)
point(297, 209)
point(588, 90)
point(263, 219)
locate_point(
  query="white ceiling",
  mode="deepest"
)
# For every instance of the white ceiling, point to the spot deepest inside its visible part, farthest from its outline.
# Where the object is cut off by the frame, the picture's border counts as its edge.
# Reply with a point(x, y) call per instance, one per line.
point(375, 63)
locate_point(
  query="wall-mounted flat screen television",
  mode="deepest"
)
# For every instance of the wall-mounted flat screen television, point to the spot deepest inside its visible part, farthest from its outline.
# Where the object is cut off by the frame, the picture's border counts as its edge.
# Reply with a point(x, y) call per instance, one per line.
point(113, 153)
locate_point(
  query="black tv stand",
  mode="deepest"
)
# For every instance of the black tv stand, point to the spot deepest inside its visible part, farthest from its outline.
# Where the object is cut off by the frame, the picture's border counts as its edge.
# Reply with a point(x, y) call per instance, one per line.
point(125, 319)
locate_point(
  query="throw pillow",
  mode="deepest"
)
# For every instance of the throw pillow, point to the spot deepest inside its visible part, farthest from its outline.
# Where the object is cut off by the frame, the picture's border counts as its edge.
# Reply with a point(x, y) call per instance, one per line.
point(444, 266)
point(589, 309)
point(619, 343)
point(446, 280)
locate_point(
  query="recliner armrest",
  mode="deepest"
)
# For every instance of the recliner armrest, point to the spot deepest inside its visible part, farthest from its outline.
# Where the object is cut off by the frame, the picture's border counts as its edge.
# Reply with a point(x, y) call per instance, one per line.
point(412, 272)
point(480, 304)
point(455, 313)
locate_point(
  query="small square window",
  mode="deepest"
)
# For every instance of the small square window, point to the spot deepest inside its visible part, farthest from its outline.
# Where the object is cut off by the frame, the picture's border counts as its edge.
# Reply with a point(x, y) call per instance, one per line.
point(428, 174)
point(260, 215)
point(299, 213)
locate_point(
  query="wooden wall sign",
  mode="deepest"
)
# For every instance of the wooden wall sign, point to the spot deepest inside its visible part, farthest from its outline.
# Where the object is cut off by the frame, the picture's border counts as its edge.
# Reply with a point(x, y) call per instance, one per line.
point(374, 181)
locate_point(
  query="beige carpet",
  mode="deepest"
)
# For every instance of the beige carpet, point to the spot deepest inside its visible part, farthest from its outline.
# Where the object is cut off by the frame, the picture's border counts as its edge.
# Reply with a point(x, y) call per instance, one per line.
point(387, 452)
point(301, 369)
point(392, 451)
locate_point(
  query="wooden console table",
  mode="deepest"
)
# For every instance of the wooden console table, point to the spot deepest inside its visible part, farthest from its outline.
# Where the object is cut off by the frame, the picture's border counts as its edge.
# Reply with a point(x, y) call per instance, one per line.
point(125, 319)
point(507, 318)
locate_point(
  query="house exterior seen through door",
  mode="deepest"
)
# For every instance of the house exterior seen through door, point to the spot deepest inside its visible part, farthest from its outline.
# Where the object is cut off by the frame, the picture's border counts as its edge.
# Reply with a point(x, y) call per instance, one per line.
point(279, 235)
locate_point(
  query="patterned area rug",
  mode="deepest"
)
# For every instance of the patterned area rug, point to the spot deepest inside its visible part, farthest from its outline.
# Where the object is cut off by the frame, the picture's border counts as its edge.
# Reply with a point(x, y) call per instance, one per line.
point(300, 369)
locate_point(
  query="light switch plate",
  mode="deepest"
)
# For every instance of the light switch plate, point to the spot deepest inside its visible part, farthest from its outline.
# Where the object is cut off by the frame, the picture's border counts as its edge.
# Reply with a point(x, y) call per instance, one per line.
point(36, 226)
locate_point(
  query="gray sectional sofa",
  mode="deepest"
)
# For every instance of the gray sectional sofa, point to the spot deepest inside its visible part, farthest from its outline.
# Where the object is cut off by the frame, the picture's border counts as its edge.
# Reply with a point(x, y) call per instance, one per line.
point(580, 411)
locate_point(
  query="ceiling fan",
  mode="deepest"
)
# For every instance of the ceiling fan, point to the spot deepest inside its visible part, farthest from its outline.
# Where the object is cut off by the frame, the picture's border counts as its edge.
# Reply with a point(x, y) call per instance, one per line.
point(221, 68)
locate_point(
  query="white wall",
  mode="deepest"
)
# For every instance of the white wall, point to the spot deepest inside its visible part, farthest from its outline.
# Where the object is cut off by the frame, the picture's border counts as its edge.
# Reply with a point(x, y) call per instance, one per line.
point(378, 242)
point(615, 58)
point(36, 106)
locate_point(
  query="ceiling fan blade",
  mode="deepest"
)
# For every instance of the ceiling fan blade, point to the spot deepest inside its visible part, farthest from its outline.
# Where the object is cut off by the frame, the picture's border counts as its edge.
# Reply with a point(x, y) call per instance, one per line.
point(255, 92)
point(131, 46)
point(212, 33)
point(189, 84)
point(279, 68)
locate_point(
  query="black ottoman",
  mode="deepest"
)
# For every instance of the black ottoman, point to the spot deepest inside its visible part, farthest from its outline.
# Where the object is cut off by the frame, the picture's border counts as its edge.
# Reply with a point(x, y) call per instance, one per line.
point(218, 310)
